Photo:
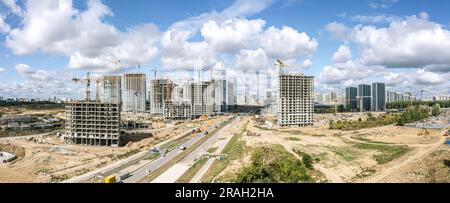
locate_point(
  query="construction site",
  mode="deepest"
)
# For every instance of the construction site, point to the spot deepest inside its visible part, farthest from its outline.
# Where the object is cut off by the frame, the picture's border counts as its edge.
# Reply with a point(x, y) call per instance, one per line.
point(192, 132)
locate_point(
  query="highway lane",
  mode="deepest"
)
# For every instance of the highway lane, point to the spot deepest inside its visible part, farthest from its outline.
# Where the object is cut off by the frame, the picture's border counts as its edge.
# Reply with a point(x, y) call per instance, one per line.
point(142, 172)
point(176, 171)
point(121, 164)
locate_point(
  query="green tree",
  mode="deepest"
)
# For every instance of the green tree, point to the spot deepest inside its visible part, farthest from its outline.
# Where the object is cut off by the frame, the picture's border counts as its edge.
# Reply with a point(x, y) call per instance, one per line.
point(307, 160)
point(436, 110)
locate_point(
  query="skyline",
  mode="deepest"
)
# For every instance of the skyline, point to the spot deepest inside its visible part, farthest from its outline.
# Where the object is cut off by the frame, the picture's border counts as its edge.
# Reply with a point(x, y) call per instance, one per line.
point(403, 44)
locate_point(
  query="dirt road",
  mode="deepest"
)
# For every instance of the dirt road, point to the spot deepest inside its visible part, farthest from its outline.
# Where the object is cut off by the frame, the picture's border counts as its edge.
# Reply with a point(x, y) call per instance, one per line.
point(421, 152)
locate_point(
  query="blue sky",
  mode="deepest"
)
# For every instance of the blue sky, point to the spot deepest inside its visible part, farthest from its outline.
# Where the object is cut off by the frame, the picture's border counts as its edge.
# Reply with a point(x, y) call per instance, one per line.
point(44, 43)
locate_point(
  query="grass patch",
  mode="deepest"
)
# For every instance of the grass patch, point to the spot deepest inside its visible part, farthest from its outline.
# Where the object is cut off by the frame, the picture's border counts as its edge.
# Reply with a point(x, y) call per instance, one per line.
point(367, 140)
point(346, 154)
point(387, 153)
point(293, 139)
point(273, 164)
point(212, 150)
point(127, 154)
point(186, 177)
point(234, 149)
point(152, 156)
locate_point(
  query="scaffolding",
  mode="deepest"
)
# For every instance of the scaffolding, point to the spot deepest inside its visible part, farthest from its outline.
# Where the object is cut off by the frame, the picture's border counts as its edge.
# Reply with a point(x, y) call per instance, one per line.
point(296, 100)
point(93, 123)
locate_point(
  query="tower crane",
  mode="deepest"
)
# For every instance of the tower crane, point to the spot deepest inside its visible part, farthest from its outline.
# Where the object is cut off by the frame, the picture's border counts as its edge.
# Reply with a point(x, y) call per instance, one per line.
point(86, 80)
point(280, 64)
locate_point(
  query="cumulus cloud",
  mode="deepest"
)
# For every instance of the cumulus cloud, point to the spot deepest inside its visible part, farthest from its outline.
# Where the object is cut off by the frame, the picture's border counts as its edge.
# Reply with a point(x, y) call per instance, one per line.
point(410, 53)
point(40, 83)
point(13, 7)
point(239, 8)
point(4, 27)
point(232, 35)
point(56, 27)
point(338, 30)
point(178, 53)
point(343, 54)
point(287, 43)
point(252, 60)
point(413, 42)
point(341, 73)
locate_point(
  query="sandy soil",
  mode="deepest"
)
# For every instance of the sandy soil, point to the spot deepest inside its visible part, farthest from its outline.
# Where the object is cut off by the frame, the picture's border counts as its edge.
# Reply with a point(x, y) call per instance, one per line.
point(55, 161)
point(340, 161)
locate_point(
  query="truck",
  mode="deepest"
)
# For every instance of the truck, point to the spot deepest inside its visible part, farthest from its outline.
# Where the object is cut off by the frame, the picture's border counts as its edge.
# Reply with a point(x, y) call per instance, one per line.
point(110, 179)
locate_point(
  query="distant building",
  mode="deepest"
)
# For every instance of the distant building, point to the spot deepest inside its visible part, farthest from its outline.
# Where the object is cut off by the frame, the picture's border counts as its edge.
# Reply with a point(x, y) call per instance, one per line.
point(390, 97)
point(441, 97)
point(135, 92)
point(219, 95)
point(231, 97)
point(162, 90)
point(364, 94)
point(296, 100)
point(378, 97)
point(111, 89)
point(350, 98)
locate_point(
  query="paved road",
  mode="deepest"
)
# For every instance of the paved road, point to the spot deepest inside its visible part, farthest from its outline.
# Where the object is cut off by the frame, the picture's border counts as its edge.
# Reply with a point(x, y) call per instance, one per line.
point(121, 164)
point(142, 172)
point(221, 145)
point(176, 171)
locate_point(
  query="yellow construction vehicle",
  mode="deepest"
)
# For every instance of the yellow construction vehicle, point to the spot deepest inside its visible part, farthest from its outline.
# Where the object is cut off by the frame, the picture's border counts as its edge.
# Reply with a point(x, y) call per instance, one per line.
point(110, 179)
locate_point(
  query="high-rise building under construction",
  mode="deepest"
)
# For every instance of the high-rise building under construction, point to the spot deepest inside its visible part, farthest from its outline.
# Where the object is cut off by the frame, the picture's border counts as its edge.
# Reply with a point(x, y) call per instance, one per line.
point(162, 90)
point(111, 89)
point(134, 93)
point(296, 100)
point(93, 123)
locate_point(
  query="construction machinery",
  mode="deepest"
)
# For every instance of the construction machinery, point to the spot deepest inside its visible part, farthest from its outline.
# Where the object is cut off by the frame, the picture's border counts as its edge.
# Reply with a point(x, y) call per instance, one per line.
point(110, 179)
point(281, 65)
point(86, 80)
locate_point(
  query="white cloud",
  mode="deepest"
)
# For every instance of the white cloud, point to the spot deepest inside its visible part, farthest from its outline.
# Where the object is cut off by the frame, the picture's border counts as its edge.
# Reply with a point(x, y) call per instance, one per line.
point(40, 83)
point(342, 73)
point(55, 27)
point(178, 53)
point(338, 30)
point(287, 43)
point(374, 19)
point(380, 4)
point(412, 42)
point(136, 46)
point(252, 60)
point(232, 35)
point(343, 54)
point(13, 7)
point(239, 8)
point(4, 27)
point(2, 69)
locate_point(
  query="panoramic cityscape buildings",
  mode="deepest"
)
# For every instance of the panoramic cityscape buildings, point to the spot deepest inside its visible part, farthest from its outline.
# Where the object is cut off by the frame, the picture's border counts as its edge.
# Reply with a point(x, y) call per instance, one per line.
point(235, 91)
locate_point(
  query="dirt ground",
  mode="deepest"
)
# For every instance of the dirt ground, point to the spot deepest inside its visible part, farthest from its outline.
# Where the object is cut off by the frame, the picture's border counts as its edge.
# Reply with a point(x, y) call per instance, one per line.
point(367, 155)
point(55, 161)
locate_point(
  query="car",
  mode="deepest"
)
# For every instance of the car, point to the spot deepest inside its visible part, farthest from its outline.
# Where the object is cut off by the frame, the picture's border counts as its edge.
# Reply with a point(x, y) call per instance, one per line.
point(148, 171)
point(182, 147)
